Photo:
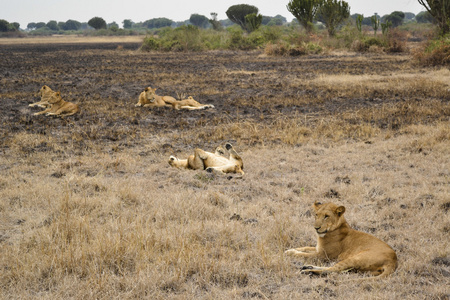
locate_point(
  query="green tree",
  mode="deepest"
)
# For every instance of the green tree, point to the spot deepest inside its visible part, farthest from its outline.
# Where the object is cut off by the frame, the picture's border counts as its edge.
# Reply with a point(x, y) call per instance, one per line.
point(332, 13)
point(385, 27)
point(97, 23)
point(304, 11)
point(72, 25)
point(424, 17)
point(396, 18)
point(440, 10)
point(14, 26)
point(253, 21)
point(127, 24)
point(4, 25)
point(40, 25)
point(31, 26)
point(52, 25)
point(237, 13)
point(375, 23)
point(157, 23)
point(359, 22)
point(214, 22)
point(199, 20)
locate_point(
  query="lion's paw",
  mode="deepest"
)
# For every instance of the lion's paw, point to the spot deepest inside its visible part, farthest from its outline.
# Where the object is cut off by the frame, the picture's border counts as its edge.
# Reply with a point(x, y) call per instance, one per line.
point(291, 252)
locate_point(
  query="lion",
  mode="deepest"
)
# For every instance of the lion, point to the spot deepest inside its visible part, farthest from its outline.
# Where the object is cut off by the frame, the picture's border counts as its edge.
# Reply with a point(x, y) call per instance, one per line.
point(45, 92)
point(354, 250)
point(215, 162)
point(190, 104)
point(148, 98)
point(59, 107)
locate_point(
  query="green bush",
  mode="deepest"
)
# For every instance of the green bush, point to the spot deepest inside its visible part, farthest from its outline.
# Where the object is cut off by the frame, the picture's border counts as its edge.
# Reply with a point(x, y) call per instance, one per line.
point(434, 53)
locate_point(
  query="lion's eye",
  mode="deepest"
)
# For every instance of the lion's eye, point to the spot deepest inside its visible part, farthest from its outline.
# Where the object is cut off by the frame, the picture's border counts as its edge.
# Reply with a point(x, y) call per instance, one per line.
point(326, 217)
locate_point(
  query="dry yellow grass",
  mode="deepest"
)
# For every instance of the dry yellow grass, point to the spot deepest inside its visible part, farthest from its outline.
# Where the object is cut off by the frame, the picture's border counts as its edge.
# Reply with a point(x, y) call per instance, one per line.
point(90, 208)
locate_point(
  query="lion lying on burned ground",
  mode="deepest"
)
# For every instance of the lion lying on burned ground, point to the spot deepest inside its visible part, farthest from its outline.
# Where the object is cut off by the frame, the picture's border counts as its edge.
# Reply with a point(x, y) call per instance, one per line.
point(149, 98)
point(58, 106)
point(354, 250)
point(216, 162)
point(45, 92)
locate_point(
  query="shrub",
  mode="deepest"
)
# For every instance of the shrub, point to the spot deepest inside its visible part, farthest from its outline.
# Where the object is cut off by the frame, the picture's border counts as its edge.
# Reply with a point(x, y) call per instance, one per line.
point(365, 43)
point(434, 53)
point(150, 44)
point(284, 49)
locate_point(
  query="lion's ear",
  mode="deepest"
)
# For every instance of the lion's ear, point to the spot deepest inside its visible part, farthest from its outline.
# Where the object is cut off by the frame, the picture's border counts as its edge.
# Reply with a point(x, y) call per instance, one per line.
point(58, 94)
point(146, 89)
point(317, 205)
point(340, 210)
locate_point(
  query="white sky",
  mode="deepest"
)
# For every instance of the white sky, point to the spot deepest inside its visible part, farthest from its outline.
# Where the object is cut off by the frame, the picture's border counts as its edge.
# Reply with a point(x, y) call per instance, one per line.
point(27, 11)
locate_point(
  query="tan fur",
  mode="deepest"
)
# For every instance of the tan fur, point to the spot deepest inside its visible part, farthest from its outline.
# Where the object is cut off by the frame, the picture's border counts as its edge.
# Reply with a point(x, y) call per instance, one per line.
point(190, 104)
point(354, 250)
point(148, 98)
point(45, 93)
point(59, 107)
point(215, 162)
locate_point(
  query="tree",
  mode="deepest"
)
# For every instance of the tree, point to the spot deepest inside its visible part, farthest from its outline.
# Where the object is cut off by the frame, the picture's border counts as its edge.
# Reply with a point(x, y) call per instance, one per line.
point(375, 23)
point(199, 20)
point(396, 18)
point(157, 23)
point(31, 26)
point(304, 11)
point(52, 25)
point(424, 17)
point(40, 25)
point(409, 15)
point(3, 25)
point(214, 22)
point(440, 10)
point(72, 25)
point(237, 13)
point(127, 24)
point(253, 21)
point(97, 23)
point(15, 26)
point(332, 13)
point(359, 22)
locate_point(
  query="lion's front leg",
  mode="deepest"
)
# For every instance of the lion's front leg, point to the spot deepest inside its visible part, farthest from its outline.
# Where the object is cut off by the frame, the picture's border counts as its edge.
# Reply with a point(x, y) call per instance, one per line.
point(309, 252)
point(196, 161)
point(43, 112)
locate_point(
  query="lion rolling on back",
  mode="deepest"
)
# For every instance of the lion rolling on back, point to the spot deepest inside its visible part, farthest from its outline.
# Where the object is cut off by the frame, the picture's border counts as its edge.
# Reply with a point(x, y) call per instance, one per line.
point(215, 162)
point(354, 250)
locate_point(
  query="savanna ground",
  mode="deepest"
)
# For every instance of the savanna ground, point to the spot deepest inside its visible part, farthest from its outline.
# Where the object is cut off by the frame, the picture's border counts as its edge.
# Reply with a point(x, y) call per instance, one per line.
point(89, 207)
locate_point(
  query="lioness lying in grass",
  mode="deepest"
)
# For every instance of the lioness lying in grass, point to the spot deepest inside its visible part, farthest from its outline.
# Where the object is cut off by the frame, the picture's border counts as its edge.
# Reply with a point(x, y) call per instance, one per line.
point(190, 104)
point(148, 98)
point(215, 162)
point(59, 107)
point(354, 250)
point(45, 92)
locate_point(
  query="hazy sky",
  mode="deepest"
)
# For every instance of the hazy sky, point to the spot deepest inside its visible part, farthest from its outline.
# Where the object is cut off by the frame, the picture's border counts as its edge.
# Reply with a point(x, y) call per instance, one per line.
point(26, 11)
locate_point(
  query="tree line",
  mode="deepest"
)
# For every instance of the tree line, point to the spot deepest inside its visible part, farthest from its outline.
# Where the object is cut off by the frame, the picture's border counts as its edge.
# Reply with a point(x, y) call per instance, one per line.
point(331, 13)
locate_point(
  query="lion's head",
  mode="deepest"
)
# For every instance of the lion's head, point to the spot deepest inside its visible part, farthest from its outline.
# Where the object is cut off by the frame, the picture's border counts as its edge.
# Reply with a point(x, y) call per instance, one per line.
point(54, 98)
point(329, 217)
point(150, 94)
point(45, 90)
